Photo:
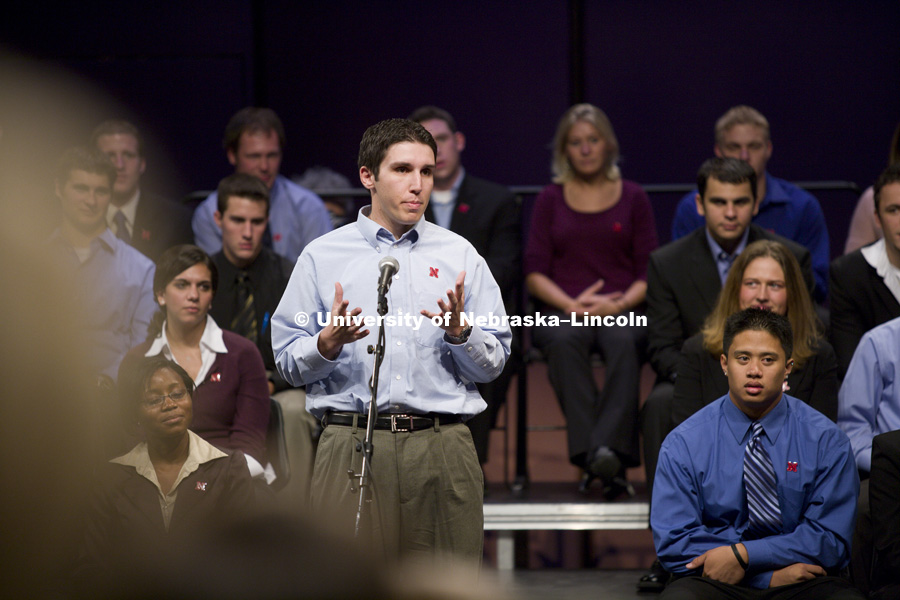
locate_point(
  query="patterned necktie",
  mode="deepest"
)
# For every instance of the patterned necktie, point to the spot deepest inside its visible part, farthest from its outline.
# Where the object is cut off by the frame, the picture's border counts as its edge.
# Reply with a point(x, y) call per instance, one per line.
point(726, 260)
point(764, 514)
point(121, 227)
point(244, 322)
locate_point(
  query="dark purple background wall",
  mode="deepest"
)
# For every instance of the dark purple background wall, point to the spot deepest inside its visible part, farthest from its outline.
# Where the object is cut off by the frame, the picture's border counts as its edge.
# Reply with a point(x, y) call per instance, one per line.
point(825, 74)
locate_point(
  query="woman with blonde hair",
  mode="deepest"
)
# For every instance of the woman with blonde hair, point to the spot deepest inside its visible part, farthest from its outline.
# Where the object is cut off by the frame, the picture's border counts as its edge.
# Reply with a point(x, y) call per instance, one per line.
point(591, 237)
point(765, 275)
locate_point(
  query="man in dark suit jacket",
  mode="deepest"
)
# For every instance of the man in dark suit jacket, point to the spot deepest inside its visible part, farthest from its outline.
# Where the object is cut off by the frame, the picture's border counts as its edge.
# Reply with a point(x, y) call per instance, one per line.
point(683, 282)
point(252, 279)
point(487, 215)
point(883, 489)
point(147, 222)
point(865, 286)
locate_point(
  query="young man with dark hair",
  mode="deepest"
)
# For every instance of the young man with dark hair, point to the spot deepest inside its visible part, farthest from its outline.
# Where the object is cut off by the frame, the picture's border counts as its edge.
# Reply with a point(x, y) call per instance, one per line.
point(755, 494)
point(865, 284)
point(112, 283)
point(487, 215)
point(252, 279)
point(254, 141)
point(684, 278)
point(743, 133)
point(142, 220)
point(432, 360)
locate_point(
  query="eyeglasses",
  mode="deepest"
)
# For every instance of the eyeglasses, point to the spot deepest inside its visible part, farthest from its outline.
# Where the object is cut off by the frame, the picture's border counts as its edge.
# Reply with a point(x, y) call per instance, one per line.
point(158, 401)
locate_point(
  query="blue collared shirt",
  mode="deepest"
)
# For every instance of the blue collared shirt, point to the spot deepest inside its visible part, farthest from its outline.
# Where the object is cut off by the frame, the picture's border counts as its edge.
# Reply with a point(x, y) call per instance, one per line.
point(422, 371)
point(296, 217)
point(869, 400)
point(699, 501)
point(113, 290)
point(787, 210)
point(723, 259)
point(443, 213)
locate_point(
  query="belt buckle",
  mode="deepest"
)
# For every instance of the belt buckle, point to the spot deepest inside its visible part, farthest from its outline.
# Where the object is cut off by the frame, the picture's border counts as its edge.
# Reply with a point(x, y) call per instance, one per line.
point(397, 427)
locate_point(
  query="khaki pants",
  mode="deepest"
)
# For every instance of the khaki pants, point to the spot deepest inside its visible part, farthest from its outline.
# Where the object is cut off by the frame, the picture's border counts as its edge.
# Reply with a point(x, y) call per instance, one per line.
point(427, 490)
point(299, 427)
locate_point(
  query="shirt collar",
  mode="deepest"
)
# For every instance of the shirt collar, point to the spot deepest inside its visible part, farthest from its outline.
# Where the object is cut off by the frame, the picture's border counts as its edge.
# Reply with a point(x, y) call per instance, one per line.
point(106, 240)
point(199, 451)
point(129, 209)
point(739, 423)
point(371, 230)
point(228, 272)
point(212, 339)
point(876, 255)
point(717, 249)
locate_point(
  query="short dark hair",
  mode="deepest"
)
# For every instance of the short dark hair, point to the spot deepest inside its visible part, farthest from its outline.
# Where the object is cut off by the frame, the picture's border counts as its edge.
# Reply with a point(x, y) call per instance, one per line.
point(118, 126)
point(381, 136)
point(428, 113)
point(84, 159)
point(252, 120)
point(241, 185)
point(726, 170)
point(887, 177)
point(758, 319)
point(134, 381)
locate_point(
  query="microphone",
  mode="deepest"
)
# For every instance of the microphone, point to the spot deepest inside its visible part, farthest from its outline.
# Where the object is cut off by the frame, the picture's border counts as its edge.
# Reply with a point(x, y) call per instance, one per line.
point(388, 266)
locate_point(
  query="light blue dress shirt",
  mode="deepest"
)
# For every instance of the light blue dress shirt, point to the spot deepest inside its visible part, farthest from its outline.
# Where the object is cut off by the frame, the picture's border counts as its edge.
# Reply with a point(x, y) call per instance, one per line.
point(113, 291)
point(722, 259)
point(443, 213)
point(869, 399)
point(699, 501)
point(422, 371)
point(296, 217)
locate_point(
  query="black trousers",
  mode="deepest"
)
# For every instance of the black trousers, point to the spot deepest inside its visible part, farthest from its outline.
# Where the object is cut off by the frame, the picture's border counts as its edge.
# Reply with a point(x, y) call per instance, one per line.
point(656, 421)
point(494, 394)
point(820, 588)
point(596, 418)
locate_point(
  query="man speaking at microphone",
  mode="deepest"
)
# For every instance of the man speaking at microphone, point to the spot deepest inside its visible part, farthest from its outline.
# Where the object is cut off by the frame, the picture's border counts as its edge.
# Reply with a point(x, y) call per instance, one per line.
point(426, 483)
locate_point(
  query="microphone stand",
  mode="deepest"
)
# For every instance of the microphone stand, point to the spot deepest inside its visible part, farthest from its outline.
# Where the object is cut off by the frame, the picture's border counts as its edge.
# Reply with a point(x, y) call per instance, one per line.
point(365, 497)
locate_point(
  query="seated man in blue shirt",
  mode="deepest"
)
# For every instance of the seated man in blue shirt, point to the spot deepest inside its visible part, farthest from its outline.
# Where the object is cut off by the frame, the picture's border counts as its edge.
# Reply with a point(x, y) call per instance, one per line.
point(755, 494)
point(254, 141)
point(743, 132)
point(426, 482)
point(869, 405)
point(110, 282)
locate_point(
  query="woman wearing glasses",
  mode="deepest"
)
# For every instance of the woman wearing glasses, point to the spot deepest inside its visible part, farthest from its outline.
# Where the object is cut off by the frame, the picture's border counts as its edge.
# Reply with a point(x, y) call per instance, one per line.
point(169, 488)
point(231, 403)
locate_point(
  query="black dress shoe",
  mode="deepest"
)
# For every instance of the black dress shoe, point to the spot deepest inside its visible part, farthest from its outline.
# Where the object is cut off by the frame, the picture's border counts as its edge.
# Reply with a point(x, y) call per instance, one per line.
point(617, 486)
point(654, 580)
point(605, 465)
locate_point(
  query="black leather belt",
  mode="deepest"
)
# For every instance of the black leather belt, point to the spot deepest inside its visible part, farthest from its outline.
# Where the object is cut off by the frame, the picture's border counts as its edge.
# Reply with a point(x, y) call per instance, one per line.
point(392, 421)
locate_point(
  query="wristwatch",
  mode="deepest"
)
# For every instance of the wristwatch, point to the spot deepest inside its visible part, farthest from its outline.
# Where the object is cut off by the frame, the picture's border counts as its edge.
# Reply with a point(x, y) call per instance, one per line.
point(462, 338)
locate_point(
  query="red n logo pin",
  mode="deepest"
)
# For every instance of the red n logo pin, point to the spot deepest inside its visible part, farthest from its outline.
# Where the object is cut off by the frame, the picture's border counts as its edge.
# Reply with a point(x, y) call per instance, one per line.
point(432, 272)
point(792, 467)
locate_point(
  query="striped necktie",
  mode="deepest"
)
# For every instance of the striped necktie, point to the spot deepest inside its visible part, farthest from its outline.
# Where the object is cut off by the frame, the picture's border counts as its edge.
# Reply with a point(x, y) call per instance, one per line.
point(121, 227)
point(244, 322)
point(764, 514)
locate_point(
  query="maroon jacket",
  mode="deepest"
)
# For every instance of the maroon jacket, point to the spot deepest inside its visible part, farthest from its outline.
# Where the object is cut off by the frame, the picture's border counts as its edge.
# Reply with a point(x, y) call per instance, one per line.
point(231, 405)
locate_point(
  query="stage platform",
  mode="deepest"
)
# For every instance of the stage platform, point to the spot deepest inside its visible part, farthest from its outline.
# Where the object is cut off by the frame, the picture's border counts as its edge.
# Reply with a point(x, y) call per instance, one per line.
point(556, 506)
